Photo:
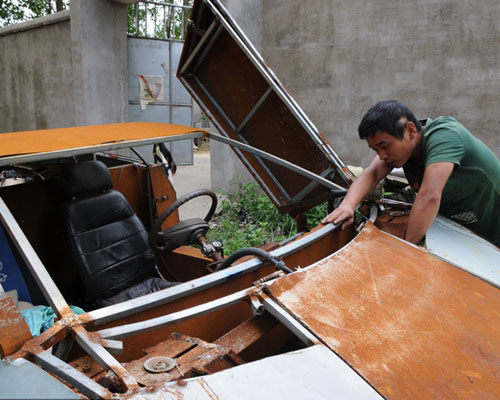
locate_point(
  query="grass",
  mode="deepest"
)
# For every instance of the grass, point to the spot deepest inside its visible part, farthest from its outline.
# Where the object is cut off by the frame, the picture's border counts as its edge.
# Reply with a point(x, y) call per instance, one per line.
point(247, 218)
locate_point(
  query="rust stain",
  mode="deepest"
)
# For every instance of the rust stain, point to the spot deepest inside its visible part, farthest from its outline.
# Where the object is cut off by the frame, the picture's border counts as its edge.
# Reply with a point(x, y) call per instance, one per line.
point(411, 324)
point(96, 338)
point(208, 390)
point(45, 340)
point(247, 333)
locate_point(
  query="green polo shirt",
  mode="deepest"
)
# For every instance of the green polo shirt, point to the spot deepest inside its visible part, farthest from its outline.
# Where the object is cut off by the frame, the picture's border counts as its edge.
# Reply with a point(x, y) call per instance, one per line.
point(471, 195)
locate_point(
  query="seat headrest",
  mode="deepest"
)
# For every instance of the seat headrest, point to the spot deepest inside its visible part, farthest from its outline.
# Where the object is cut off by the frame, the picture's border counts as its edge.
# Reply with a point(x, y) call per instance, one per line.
point(86, 177)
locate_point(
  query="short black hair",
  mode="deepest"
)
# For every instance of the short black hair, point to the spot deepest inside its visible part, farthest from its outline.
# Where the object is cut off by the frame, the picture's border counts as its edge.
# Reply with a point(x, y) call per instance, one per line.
point(385, 116)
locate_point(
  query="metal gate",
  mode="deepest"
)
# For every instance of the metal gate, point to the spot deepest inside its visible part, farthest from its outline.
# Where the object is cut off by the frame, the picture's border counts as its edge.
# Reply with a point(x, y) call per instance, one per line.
point(155, 40)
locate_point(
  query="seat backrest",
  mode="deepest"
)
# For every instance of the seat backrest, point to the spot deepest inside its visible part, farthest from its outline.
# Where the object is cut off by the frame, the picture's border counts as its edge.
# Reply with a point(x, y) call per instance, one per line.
point(109, 242)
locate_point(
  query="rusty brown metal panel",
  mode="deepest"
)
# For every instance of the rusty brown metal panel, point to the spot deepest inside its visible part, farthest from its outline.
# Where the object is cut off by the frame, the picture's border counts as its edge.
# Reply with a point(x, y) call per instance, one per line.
point(243, 85)
point(274, 128)
point(131, 181)
point(184, 263)
point(412, 325)
point(13, 329)
point(164, 194)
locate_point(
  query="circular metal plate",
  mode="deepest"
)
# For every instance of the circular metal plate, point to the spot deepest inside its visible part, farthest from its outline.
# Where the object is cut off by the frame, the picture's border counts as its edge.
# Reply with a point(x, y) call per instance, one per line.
point(159, 364)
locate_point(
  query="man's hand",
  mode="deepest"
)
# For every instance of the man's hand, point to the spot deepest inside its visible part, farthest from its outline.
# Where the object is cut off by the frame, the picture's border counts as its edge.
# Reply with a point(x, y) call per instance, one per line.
point(363, 185)
point(341, 213)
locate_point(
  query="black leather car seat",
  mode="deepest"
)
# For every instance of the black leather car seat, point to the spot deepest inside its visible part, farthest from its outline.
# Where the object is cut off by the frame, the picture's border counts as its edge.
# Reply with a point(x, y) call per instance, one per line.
point(109, 242)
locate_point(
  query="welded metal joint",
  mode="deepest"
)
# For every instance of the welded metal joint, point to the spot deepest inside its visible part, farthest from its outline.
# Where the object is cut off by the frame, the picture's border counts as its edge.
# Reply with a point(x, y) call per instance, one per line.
point(255, 305)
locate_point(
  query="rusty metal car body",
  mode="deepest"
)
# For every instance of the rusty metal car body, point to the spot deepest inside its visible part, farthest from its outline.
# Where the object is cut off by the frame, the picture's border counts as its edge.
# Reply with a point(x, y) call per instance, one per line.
point(360, 315)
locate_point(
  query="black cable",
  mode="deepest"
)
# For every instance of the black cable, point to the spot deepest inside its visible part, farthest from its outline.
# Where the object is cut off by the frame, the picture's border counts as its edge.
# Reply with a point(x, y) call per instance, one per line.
point(253, 251)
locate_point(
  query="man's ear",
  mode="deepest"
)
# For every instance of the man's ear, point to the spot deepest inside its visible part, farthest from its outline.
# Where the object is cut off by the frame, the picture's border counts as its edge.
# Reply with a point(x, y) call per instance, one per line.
point(412, 129)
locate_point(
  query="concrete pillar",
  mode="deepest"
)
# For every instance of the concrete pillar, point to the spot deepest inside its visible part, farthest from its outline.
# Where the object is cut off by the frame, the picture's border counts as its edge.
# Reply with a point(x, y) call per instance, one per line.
point(225, 165)
point(99, 57)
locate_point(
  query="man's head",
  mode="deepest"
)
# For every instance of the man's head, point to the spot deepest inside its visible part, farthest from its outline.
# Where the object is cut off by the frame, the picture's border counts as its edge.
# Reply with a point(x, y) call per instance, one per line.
point(389, 116)
point(391, 129)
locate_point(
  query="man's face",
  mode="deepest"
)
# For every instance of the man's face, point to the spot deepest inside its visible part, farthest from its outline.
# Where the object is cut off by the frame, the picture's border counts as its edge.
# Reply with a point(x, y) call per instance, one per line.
point(393, 151)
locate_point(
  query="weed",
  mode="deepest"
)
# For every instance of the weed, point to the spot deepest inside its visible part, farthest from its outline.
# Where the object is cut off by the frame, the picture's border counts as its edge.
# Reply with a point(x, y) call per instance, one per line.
point(247, 218)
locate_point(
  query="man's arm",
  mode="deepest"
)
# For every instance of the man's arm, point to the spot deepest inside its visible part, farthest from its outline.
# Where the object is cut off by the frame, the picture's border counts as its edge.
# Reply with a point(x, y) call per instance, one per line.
point(426, 205)
point(361, 187)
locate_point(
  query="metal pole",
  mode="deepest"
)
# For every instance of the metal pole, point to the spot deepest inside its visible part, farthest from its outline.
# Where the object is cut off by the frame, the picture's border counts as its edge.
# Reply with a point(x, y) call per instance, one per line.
point(174, 318)
point(276, 160)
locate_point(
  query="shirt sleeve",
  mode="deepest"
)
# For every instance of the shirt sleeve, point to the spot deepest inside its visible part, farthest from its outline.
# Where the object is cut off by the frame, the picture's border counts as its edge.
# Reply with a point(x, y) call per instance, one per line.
point(444, 145)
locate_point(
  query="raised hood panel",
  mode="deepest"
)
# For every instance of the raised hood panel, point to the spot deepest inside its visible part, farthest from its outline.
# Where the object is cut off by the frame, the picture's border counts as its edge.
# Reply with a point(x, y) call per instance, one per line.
point(247, 103)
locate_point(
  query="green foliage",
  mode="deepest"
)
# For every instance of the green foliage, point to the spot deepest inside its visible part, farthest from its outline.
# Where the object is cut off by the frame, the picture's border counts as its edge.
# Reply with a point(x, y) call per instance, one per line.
point(22, 10)
point(170, 21)
point(247, 218)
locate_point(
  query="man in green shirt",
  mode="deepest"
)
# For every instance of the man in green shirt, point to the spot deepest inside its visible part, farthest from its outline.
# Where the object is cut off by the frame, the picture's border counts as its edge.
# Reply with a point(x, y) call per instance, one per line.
point(453, 172)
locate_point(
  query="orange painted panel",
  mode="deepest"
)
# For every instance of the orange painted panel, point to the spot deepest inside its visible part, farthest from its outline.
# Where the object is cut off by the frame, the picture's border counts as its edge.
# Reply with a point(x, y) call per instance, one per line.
point(44, 140)
point(412, 325)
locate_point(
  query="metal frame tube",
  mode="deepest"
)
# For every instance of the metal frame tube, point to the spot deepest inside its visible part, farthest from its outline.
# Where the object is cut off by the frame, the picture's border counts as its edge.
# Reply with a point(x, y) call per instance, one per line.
point(276, 160)
point(275, 180)
point(263, 98)
point(103, 357)
point(176, 317)
point(87, 386)
point(299, 196)
point(214, 102)
point(209, 45)
point(291, 323)
point(200, 45)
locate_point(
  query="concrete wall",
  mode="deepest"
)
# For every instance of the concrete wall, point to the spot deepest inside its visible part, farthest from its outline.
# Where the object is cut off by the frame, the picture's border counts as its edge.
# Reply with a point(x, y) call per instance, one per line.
point(36, 77)
point(65, 69)
point(338, 58)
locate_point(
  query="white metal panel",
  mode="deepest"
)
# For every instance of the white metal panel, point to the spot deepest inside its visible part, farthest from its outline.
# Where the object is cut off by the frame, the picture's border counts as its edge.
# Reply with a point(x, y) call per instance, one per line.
point(179, 92)
point(38, 384)
point(461, 247)
point(311, 373)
